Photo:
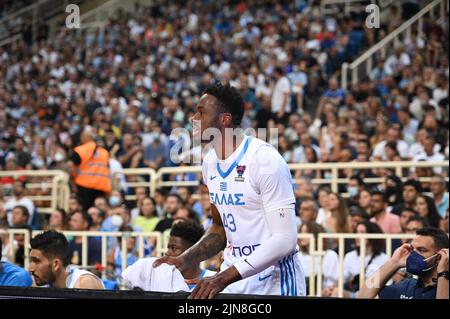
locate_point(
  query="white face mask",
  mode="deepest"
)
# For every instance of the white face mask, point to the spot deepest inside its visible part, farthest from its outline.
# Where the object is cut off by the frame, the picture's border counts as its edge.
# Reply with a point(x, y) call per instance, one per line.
point(117, 221)
point(59, 157)
point(38, 163)
point(352, 191)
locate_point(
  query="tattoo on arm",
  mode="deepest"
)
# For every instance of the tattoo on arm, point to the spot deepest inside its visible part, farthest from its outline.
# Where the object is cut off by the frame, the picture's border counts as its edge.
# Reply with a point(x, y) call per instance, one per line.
point(211, 244)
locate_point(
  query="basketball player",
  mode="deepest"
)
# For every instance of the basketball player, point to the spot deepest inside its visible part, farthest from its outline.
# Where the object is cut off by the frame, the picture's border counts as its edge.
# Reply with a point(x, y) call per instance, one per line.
point(50, 256)
point(183, 235)
point(252, 205)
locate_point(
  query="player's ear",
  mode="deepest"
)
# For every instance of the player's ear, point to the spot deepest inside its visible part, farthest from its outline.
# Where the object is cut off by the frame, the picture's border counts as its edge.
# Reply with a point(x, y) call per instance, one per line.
point(56, 264)
point(227, 119)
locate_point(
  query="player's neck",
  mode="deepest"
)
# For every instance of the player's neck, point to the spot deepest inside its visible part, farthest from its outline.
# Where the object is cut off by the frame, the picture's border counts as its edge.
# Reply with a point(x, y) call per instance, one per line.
point(225, 148)
point(61, 280)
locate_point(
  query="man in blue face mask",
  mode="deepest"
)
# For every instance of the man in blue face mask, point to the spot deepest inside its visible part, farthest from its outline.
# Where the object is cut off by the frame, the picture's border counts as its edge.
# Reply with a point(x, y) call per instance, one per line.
point(426, 258)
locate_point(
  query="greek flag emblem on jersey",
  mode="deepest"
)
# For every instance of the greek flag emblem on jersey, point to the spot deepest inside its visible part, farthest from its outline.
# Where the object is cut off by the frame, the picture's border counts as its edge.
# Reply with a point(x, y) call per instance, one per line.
point(223, 186)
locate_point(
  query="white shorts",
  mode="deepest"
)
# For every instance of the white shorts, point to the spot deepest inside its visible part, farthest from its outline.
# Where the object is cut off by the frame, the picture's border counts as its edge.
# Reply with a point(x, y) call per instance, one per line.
point(286, 278)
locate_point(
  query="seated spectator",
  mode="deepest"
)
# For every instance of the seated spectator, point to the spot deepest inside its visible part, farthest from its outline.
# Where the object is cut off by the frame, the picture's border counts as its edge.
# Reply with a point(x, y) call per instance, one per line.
point(374, 259)
point(444, 224)
point(308, 211)
point(414, 224)
point(388, 222)
point(156, 154)
point(148, 217)
point(97, 217)
point(19, 199)
point(405, 215)
point(185, 234)
point(115, 256)
point(323, 201)
point(441, 197)
point(334, 93)
point(337, 220)
point(58, 220)
point(81, 221)
point(429, 154)
point(393, 190)
point(186, 213)
point(392, 136)
point(411, 188)
point(426, 208)
point(355, 186)
point(357, 215)
point(12, 275)
point(173, 202)
point(364, 200)
point(426, 257)
point(74, 204)
point(330, 262)
point(49, 259)
point(20, 216)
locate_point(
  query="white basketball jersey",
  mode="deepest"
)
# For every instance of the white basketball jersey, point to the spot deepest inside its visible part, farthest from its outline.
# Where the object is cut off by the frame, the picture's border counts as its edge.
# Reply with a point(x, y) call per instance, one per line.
point(75, 274)
point(239, 192)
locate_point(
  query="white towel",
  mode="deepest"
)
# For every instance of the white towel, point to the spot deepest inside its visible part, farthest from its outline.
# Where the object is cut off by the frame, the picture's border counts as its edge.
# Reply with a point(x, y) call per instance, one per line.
point(165, 278)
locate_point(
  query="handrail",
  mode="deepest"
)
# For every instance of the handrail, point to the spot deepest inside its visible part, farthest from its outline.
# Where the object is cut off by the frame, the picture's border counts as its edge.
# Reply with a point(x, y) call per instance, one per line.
point(153, 176)
point(60, 191)
point(334, 167)
point(58, 179)
point(388, 39)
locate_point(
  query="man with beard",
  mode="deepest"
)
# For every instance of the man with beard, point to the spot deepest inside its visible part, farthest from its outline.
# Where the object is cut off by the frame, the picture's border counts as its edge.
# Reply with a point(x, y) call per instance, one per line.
point(50, 256)
point(426, 257)
point(389, 223)
point(411, 189)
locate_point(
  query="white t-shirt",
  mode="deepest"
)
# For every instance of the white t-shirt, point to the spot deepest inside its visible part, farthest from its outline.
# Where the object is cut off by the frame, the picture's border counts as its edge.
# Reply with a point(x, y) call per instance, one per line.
point(321, 217)
point(394, 64)
point(165, 278)
point(282, 87)
point(352, 264)
point(402, 148)
point(330, 267)
point(12, 202)
point(417, 149)
point(299, 155)
point(436, 157)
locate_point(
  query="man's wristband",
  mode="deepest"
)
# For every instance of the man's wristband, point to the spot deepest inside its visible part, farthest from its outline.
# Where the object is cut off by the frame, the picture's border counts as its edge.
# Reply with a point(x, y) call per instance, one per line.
point(444, 274)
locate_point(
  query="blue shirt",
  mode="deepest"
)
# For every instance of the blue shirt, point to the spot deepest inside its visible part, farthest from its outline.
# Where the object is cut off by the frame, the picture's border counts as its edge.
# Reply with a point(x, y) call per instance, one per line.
point(12, 275)
point(443, 205)
point(408, 289)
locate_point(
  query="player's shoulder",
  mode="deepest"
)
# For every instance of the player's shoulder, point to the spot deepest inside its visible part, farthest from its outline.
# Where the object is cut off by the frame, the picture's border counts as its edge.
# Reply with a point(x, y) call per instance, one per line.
point(262, 149)
point(209, 157)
